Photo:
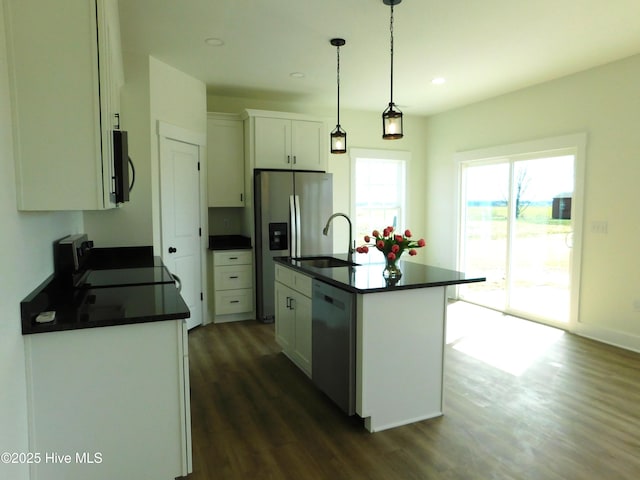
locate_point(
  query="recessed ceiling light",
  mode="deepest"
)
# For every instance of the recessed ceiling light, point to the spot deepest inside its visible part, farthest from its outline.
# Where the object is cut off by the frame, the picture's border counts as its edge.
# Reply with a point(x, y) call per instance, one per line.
point(214, 42)
point(296, 75)
point(438, 80)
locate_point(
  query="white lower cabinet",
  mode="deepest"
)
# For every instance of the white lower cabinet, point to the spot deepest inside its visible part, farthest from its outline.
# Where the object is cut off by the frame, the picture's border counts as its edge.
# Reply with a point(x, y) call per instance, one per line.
point(233, 285)
point(110, 402)
point(293, 316)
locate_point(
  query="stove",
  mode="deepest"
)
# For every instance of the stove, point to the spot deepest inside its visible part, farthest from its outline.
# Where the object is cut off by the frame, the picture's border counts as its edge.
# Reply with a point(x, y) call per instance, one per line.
point(125, 277)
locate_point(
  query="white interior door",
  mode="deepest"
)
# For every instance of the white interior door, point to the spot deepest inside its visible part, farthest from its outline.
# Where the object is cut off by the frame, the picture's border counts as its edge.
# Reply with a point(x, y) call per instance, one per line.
point(180, 217)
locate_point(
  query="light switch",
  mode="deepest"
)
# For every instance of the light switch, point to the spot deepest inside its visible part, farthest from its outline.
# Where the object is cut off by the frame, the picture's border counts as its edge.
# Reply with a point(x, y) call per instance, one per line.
point(599, 226)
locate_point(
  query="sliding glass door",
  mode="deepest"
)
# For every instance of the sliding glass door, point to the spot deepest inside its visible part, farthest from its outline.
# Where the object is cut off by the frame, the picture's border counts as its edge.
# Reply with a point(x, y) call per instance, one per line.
point(485, 235)
point(516, 230)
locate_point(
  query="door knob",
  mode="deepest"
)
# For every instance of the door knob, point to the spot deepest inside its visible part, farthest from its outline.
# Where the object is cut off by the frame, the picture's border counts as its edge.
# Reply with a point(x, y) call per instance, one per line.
point(172, 250)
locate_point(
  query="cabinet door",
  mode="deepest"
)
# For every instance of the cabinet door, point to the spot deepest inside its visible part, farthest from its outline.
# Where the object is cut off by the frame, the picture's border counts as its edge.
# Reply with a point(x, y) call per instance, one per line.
point(302, 346)
point(59, 139)
point(306, 145)
point(110, 402)
point(111, 80)
point(285, 317)
point(272, 143)
point(225, 162)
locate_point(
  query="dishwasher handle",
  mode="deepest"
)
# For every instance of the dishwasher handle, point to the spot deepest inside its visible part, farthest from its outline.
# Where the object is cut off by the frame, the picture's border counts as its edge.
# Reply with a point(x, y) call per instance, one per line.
point(333, 301)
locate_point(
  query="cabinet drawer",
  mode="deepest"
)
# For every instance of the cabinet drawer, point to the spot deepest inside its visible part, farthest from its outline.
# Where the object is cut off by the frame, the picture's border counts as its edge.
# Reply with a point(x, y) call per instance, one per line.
point(233, 277)
point(233, 257)
point(298, 281)
point(302, 284)
point(284, 275)
point(234, 301)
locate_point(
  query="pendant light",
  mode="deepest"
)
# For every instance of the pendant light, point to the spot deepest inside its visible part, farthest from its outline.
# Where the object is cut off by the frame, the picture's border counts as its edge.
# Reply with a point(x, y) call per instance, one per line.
point(338, 135)
point(392, 116)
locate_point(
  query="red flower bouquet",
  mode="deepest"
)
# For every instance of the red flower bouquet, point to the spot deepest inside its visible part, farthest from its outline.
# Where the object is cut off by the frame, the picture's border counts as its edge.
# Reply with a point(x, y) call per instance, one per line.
point(391, 244)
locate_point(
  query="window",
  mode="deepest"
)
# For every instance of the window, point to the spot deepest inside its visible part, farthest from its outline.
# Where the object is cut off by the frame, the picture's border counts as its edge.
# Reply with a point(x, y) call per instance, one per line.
point(379, 178)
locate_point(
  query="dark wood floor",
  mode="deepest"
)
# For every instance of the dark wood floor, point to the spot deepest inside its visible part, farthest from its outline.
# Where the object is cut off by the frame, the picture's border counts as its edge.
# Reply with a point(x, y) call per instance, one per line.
point(574, 414)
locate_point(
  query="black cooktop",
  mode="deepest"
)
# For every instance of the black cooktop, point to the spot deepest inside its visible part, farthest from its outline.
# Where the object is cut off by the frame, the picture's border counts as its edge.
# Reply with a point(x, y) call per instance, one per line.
point(124, 277)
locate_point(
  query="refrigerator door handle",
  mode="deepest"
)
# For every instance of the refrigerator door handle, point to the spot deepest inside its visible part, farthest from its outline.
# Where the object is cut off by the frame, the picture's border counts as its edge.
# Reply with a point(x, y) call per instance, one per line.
point(298, 232)
point(292, 226)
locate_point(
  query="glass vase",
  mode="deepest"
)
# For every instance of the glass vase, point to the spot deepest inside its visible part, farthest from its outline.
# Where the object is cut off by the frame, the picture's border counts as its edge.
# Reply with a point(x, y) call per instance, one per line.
point(392, 269)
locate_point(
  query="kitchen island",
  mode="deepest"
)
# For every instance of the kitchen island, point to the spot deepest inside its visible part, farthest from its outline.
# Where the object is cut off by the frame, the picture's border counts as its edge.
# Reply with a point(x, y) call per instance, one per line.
point(399, 336)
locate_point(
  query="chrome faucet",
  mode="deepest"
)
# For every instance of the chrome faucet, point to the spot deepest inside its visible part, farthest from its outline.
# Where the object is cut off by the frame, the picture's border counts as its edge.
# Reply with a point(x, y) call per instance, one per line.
point(325, 231)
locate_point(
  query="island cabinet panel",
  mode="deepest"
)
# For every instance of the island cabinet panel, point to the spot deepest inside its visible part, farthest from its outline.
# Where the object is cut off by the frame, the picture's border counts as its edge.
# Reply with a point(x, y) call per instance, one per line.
point(115, 400)
point(65, 76)
point(400, 356)
point(285, 318)
point(302, 340)
point(293, 316)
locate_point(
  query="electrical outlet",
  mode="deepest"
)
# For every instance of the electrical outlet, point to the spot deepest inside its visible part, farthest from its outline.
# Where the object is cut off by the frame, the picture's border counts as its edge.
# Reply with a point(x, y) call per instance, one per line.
point(600, 226)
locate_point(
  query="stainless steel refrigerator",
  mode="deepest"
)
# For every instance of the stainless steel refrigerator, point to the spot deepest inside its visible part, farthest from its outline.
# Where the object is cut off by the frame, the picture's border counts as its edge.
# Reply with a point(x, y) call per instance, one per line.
point(291, 209)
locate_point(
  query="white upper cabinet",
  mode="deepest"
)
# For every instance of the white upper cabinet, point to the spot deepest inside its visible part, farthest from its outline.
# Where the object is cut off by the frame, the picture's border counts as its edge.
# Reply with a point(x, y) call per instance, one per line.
point(306, 145)
point(272, 143)
point(225, 160)
point(65, 74)
point(286, 141)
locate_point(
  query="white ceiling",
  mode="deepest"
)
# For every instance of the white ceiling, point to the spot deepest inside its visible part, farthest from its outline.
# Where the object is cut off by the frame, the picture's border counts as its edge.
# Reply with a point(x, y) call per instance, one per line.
point(483, 48)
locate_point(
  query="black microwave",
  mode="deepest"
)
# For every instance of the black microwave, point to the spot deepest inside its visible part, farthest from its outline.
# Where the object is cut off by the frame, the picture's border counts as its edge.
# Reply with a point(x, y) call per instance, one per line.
point(121, 162)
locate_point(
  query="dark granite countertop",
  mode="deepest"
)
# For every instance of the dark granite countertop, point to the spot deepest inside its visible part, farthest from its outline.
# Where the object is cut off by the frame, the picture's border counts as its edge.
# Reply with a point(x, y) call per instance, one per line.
point(134, 287)
point(229, 242)
point(367, 277)
point(122, 257)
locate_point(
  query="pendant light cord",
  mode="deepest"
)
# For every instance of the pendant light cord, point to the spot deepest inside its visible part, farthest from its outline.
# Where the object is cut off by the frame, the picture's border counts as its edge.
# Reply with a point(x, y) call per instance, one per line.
point(391, 30)
point(338, 76)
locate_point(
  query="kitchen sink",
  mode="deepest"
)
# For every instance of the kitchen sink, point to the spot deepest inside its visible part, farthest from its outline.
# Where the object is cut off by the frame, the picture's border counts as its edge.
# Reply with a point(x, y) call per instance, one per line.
point(324, 262)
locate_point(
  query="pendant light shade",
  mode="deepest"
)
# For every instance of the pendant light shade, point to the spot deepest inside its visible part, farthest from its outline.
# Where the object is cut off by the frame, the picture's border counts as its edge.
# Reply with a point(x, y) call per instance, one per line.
point(392, 123)
point(392, 116)
point(338, 140)
point(338, 135)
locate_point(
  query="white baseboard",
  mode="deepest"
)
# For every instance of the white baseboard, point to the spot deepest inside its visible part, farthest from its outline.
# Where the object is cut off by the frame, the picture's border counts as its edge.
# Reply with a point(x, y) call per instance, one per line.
point(611, 337)
point(234, 317)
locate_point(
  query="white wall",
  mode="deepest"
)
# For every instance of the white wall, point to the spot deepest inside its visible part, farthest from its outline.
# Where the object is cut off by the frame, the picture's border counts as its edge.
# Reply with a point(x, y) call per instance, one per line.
point(177, 99)
point(603, 102)
point(26, 260)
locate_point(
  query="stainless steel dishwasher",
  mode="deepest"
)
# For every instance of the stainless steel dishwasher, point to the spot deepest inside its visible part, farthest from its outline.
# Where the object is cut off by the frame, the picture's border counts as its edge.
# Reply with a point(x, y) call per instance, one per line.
point(333, 365)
